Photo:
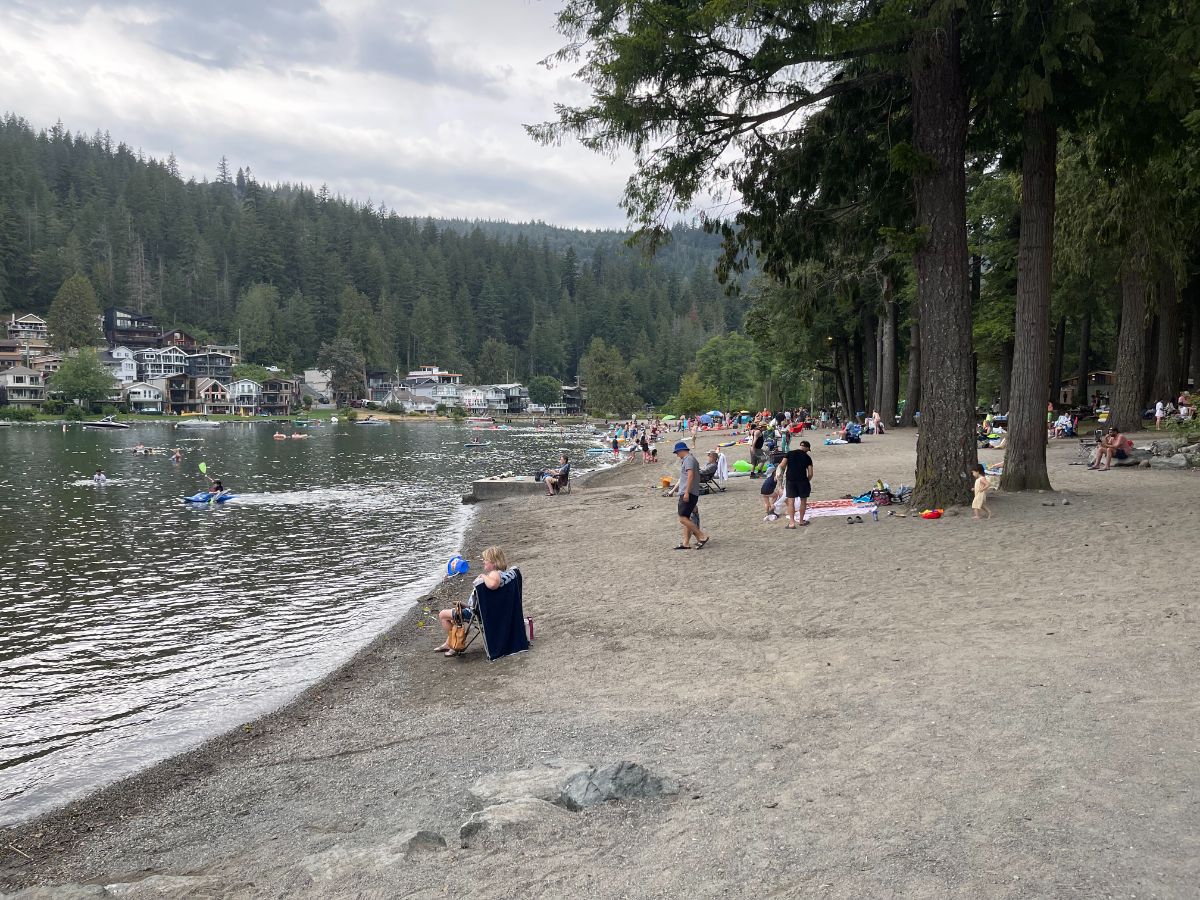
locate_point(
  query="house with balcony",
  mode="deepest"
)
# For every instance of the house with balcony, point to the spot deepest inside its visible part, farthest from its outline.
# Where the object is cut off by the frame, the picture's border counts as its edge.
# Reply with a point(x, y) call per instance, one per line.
point(122, 363)
point(574, 399)
point(516, 397)
point(47, 364)
point(280, 396)
point(126, 328)
point(27, 327)
point(211, 397)
point(473, 400)
point(141, 397)
point(177, 391)
point(245, 396)
point(22, 386)
point(435, 384)
point(158, 363)
point(210, 364)
point(181, 339)
point(403, 397)
point(233, 351)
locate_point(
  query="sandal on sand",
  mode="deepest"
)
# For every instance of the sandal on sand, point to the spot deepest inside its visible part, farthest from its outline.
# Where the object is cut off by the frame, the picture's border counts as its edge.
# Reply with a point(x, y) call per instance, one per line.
point(858, 520)
point(802, 522)
point(700, 546)
point(452, 653)
point(791, 527)
point(849, 520)
point(682, 547)
point(441, 649)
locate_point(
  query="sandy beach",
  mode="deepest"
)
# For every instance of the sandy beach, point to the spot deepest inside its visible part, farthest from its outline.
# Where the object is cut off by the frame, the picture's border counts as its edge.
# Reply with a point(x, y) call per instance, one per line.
point(905, 708)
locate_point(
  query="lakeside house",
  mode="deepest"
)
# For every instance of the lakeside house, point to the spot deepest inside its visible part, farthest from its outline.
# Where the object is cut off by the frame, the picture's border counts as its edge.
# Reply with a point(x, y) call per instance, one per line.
point(211, 397)
point(160, 362)
point(210, 364)
point(180, 339)
point(142, 397)
point(279, 396)
point(435, 385)
point(121, 362)
point(22, 386)
point(245, 396)
point(28, 327)
point(125, 327)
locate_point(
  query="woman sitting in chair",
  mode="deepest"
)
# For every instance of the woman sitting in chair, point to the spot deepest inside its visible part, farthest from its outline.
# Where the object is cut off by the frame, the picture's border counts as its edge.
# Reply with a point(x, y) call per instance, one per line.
point(556, 479)
point(495, 573)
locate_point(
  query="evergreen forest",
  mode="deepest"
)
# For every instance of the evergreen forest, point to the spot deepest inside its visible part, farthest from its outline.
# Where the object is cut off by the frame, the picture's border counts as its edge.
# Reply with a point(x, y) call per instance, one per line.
point(288, 268)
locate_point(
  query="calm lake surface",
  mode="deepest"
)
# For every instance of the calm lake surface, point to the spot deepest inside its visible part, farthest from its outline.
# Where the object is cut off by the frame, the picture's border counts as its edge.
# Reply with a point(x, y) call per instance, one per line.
point(134, 626)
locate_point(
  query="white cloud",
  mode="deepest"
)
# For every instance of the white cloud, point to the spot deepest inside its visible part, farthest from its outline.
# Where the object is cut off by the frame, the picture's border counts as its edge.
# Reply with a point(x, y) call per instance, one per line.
point(416, 105)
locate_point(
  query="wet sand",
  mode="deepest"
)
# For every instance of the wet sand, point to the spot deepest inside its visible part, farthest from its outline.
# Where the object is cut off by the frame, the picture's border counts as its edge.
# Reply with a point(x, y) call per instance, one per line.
point(904, 708)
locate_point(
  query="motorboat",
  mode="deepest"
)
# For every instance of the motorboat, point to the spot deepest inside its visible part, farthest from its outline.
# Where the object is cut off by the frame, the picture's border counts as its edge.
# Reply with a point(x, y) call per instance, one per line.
point(370, 420)
point(198, 423)
point(106, 422)
point(480, 420)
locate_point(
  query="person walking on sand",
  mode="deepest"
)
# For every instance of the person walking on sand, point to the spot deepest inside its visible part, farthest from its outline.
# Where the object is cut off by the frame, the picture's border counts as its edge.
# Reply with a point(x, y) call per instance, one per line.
point(982, 485)
point(796, 470)
point(689, 497)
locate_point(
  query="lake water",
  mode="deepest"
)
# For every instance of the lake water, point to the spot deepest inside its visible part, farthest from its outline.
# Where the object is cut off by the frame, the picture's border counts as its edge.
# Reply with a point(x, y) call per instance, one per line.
point(133, 626)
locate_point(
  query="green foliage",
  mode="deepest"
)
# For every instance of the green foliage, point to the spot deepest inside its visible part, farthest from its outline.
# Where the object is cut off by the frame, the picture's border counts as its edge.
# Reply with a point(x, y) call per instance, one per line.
point(73, 413)
point(610, 383)
point(257, 322)
point(17, 413)
point(495, 363)
point(74, 315)
point(84, 378)
point(694, 397)
point(729, 365)
point(345, 366)
point(252, 372)
point(544, 390)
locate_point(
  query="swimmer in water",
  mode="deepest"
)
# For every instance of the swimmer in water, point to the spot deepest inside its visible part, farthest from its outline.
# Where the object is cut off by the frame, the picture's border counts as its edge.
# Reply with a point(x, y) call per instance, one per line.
point(100, 477)
point(176, 455)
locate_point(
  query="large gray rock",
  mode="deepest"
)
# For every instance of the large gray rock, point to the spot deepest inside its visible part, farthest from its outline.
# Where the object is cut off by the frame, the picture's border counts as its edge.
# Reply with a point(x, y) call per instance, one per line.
point(59, 892)
point(544, 782)
point(617, 781)
point(1133, 458)
point(1165, 447)
point(345, 861)
point(517, 818)
point(412, 843)
point(1178, 461)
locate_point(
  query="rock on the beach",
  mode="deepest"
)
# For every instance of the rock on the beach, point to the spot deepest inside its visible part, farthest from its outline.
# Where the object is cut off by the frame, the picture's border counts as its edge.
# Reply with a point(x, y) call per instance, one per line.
point(155, 886)
point(414, 842)
point(1178, 461)
point(1167, 447)
point(545, 782)
point(59, 892)
point(617, 781)
point(517, 818)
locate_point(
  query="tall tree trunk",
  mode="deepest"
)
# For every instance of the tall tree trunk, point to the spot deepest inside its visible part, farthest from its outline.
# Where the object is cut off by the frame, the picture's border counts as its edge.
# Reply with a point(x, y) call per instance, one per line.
point(1006, 367)
point(842, 380)
point(1192, 367)
point(1085, 360)
point(912, 393)
point(1150, 357)
point(1165, 384)
point(1025, 461)
point(888, 373)
point(1056, 368)
point(854, 359)
point(946, 444)
point(1125, 412)
point(870, 344)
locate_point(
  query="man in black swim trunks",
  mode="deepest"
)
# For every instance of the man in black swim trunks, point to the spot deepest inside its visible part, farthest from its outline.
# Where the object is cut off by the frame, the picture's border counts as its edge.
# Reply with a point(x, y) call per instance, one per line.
point(797, 469)
point(689, 496)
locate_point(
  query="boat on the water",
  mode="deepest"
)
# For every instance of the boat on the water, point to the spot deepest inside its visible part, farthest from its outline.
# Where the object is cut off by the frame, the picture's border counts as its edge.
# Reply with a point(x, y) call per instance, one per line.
point(473, 444)
point(481, 420)
point(206, 497)
point(370, 420)
point(106, 422)
point(198, 423)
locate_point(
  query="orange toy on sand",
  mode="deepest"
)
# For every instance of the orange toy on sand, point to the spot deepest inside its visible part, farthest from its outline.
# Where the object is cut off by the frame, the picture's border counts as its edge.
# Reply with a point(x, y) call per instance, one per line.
point(932, 514)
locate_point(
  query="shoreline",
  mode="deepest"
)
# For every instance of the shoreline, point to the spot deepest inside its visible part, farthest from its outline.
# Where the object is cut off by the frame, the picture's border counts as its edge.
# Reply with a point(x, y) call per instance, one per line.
point(932, 709)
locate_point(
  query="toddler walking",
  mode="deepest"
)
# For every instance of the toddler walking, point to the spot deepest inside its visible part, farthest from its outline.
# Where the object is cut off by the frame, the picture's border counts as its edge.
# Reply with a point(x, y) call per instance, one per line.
point(982, 485)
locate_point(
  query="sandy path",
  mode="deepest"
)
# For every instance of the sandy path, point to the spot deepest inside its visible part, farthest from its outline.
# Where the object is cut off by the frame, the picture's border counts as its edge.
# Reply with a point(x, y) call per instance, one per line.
point(901, 708)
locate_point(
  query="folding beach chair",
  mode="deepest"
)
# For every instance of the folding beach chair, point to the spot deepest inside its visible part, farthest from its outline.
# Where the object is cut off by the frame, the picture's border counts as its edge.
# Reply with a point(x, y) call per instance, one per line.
point(498, 618)
point(709, 483)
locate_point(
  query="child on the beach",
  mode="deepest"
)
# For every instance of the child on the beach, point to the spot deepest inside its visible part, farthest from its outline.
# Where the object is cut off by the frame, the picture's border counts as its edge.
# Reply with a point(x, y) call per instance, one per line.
point(982, 485)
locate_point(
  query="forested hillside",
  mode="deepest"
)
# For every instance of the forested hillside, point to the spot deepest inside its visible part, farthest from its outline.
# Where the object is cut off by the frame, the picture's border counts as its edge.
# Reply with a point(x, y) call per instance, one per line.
point(291, 267)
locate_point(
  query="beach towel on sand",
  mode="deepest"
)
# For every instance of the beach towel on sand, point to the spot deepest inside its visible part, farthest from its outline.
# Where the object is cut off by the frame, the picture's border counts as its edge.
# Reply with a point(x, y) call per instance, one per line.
point(820, 508)
point(502, 617)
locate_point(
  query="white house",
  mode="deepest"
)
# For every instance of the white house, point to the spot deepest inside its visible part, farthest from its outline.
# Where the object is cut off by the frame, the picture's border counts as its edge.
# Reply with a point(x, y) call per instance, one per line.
point(435, 384)
point(160, 362)
point(21, 386)
point(399, 396)
point(122, 363)
point(142, 397)
point(27, 328)
point(473, 399)
point(245, 396)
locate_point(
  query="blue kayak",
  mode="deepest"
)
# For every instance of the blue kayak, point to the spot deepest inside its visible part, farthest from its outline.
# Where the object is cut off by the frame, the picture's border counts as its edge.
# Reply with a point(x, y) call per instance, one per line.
point(206, 497)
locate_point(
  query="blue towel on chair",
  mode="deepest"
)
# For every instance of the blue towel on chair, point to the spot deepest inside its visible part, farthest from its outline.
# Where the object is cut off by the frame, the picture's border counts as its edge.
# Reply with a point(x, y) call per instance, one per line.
point(502, 617)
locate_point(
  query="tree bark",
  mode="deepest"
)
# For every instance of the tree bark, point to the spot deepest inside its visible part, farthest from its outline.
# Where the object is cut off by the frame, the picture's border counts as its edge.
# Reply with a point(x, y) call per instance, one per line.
point(1165, 384)
point(1125, 412)
point(912, 393)
point(888, 373)
point(1192, 367)
point(1025, 461)
point(1056, 368)
point(842, 377)
point(946, 445)
point(1150, 357)
point(1006, 367)
point(1085, 360)
point(854, 359)
point(870, 343)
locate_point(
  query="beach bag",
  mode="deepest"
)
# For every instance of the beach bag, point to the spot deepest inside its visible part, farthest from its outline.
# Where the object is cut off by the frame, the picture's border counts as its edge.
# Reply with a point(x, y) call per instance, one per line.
point(529, 627)
point(456, 639)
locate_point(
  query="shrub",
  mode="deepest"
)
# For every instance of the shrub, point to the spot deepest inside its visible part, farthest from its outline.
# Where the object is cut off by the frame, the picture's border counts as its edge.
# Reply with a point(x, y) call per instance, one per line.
point(17, 413)
point(54, 407)
point(108, 410)
point(73, 412)
point(394, 409)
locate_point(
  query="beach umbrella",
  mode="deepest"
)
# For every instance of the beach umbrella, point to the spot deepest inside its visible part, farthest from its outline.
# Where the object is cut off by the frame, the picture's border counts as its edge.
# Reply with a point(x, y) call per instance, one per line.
point(714, 412)
point(706, 419)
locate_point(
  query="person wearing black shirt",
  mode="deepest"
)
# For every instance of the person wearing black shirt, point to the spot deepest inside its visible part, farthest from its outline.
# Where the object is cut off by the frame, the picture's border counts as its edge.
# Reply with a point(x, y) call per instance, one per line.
point(797, 476)
point(756, 450)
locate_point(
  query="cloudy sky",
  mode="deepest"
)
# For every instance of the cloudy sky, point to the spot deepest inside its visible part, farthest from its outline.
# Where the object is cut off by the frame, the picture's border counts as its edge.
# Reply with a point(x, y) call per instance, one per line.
point(418, 105)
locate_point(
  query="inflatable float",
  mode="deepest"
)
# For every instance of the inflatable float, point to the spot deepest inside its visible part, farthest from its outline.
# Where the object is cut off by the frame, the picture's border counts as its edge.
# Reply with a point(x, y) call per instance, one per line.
point(206, 497)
